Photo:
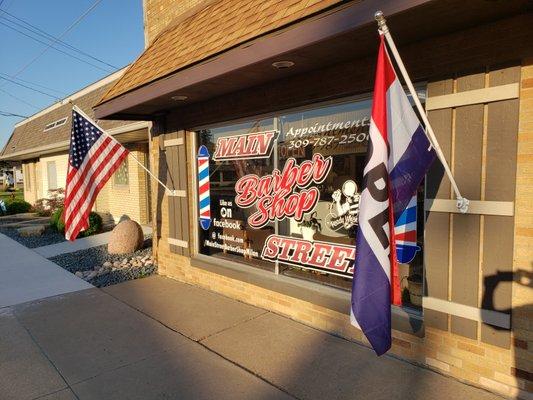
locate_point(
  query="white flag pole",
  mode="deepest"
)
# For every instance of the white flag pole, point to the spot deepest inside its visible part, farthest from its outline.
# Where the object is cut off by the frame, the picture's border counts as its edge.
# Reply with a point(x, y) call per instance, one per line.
point(167, 189)
point(462, 203)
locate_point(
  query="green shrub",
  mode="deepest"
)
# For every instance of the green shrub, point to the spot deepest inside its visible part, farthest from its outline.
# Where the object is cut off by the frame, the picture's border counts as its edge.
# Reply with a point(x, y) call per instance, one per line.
point(17, 207)
point(95, 225)
point(55, 219)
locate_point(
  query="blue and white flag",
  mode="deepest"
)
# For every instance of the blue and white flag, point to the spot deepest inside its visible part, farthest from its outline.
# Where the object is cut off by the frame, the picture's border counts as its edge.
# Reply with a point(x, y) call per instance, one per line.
point(399, 155)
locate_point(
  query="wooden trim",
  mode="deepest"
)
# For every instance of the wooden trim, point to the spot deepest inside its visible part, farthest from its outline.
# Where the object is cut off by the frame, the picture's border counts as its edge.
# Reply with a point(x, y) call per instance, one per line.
point(178, 193)
point(491, 317)
point(178, 242)
point(173, 142)
point(502, 208)
point(478, 96)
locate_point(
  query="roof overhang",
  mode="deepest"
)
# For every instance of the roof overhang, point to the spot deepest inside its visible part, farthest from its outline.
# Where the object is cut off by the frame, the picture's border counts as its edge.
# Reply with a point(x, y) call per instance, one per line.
point(335, 22)
point(130, 133)
point(335, 36)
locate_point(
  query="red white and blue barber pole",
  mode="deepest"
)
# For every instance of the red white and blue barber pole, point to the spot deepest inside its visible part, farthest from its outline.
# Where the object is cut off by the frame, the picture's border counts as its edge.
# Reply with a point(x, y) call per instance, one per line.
point(405, 234)
point(204, 199)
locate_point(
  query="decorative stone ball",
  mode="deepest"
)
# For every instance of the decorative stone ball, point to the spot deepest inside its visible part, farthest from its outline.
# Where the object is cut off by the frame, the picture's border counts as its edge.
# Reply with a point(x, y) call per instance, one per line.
point(125, 238)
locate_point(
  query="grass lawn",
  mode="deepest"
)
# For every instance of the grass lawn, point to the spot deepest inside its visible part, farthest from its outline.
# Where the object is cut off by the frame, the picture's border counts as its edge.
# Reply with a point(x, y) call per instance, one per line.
point(7, 196)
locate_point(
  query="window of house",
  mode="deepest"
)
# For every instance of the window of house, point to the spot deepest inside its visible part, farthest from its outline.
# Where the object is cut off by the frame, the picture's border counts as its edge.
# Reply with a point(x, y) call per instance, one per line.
point(55, 124)
point(51, 174)
point(121, 174)
point(284, 193)
point(26, 176)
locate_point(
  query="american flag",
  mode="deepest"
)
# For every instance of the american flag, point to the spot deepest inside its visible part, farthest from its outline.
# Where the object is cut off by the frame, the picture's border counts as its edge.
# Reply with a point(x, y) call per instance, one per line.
point(93, 157)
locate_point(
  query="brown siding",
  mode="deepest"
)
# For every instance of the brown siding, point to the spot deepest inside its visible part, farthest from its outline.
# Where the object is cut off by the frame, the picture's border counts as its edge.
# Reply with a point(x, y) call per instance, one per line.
point(437, 226)
point(176, 167)
point(500, 181)
point(467, 164)
point(479, 141)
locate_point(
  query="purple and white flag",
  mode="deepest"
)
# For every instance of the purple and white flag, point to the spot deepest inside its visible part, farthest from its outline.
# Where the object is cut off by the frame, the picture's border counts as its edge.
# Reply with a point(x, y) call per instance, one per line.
point(399, 155)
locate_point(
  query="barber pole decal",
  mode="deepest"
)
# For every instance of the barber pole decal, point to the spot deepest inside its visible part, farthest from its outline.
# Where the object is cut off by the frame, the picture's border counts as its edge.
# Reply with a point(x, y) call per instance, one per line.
point(405, 234)
point(203, 188)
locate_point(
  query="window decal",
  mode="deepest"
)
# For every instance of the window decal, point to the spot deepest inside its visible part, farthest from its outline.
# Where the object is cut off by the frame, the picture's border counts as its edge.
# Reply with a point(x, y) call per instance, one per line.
point(405, 233)
point(344, 209)
point(245, 147)
point(333, 258)
point(203, 188)
point(274, 194)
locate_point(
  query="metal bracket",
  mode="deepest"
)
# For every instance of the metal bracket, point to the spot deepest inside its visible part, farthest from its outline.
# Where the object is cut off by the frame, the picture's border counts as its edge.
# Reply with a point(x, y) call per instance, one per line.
point(462, 204)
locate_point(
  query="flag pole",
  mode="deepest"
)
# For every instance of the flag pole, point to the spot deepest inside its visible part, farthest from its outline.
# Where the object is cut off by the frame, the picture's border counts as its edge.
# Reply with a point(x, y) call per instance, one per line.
point(169, 191)
point(462, 202)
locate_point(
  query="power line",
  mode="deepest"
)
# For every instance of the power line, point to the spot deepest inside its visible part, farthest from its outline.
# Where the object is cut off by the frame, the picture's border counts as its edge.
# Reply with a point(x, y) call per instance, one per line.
point(69, 28)
point(48, 46)
point(37, 84)
point(19, 99)
point(8, 114)
point(38, 31)
point(29, 87)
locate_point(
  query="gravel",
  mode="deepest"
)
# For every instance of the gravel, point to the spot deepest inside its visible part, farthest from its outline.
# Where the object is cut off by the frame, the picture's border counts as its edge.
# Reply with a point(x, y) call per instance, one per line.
point(49, 236)
point(100, 268)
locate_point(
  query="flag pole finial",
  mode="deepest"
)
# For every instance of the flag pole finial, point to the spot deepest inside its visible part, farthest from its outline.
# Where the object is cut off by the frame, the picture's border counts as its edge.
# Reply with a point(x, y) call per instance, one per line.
point(382, 22)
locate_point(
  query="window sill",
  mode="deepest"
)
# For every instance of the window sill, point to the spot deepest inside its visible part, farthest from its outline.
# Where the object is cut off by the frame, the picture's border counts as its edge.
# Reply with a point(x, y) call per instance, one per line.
point(324, 296)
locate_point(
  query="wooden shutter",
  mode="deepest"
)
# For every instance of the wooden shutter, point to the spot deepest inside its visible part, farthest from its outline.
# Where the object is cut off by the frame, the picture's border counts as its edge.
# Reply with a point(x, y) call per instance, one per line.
point(475, 117)
point(173, 145)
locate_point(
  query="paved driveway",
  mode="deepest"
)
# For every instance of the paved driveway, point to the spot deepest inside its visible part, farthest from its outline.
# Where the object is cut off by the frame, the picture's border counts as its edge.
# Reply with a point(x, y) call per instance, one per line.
point(156, 338)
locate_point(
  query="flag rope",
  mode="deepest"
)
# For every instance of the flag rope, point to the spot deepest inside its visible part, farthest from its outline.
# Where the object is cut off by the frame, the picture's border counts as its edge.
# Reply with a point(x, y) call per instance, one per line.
point(462, 202)
point(169, 191)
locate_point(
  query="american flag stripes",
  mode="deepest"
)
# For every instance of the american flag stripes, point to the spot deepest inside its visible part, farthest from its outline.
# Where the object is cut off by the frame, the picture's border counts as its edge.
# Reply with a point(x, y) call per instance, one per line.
point(399, 155)
point(93, 158)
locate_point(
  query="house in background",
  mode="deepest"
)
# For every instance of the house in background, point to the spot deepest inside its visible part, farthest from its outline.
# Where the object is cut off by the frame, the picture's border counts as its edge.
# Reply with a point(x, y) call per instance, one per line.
point(11, 172)
point(41, 144)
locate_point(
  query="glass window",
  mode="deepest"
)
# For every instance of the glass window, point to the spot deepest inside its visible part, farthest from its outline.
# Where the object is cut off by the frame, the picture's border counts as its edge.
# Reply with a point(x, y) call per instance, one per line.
point(121, 174)
point(51, 175)
point(283, 193)
point(229, 234)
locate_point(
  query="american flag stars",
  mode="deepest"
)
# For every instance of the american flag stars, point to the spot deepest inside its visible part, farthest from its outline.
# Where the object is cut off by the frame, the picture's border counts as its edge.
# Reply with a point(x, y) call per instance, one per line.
point(84, 135)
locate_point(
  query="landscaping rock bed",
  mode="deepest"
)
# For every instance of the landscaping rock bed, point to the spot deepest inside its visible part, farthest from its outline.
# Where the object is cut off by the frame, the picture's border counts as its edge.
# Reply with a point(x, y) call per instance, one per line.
point(49, 236)
point(99, 268)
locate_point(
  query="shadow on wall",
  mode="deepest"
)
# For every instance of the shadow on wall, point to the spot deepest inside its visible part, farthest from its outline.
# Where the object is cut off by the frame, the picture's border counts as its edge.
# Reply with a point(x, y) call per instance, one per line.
point(522, 361)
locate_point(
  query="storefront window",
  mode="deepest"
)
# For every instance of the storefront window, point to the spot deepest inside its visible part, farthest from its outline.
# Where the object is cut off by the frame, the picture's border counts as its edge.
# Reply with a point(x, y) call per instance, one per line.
point(284, 193)
point(229, 234)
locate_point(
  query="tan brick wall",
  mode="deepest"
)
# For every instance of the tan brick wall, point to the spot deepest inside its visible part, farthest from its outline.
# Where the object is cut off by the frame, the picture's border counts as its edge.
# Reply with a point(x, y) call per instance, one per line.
point(159, 14)
point(505, 371)
point(130, 200)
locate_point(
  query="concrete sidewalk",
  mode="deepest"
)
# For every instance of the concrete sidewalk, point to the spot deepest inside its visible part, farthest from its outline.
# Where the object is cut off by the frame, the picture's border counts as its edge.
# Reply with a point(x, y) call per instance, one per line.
point(155, 338)
point(26, 275)
point(53, 250)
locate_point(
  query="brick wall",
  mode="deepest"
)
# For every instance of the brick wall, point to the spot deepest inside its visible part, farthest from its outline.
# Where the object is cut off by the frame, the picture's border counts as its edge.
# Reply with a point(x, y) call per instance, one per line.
point(131, 199)
point(505, 371)
point(159, 14)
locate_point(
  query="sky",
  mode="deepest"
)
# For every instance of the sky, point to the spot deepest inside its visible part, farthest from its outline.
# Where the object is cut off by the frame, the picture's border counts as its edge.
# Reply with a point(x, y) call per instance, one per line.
point(112, 32)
